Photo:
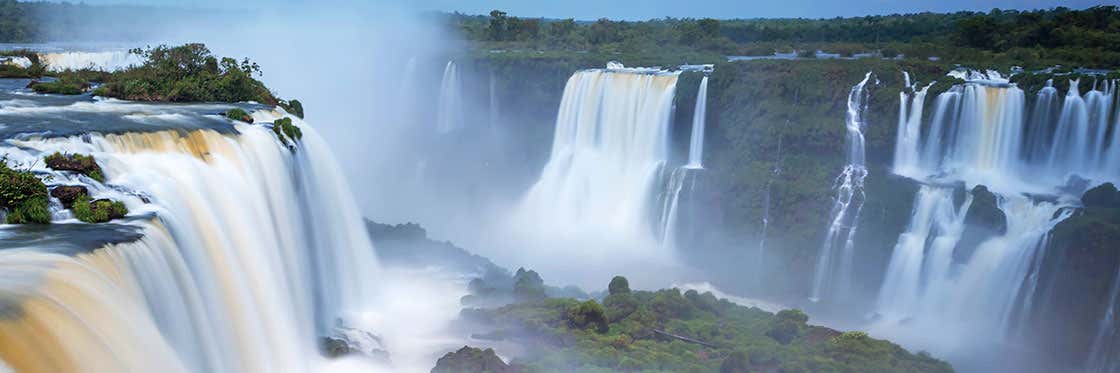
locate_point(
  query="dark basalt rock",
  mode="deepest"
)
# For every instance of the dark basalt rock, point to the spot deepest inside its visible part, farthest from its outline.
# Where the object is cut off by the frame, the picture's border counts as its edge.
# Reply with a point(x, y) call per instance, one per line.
point(983, 221)
point(473, 360)
point(1103, 196)
point(68, 193)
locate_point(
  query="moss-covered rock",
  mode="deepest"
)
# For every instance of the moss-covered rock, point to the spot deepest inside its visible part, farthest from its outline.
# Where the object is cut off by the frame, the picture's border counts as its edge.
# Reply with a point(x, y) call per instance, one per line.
point(97, 211)
point(239, 114)
point(293, 107)
point(23, 195)
point(472, 360)
point(287, 132)
point(67, 194)
point(82, 164)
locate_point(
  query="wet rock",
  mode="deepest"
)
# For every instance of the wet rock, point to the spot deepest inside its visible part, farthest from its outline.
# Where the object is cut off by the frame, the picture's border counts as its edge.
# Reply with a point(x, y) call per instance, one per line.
point(471, 360)
point(983, 221)
point(68, 193)
point(1103, 196)
point(349, 341)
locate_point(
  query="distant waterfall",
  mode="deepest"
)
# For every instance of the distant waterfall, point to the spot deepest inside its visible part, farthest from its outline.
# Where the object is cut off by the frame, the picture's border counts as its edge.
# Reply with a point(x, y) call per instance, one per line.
point(608, 156)
point(249, 251)
point(848, 204)
point(449, 114)
point(982, 133)
point(696, 150)
point(106, 60)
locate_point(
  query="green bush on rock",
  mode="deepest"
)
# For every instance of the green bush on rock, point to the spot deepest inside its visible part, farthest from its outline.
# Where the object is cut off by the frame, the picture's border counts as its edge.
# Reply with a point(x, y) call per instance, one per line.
point(239, 114)
point(98, 211)
point(588, 314)
point(82, 164)
point(286, 131)
point(619, 285)
point(23, 195)
point(293, 107)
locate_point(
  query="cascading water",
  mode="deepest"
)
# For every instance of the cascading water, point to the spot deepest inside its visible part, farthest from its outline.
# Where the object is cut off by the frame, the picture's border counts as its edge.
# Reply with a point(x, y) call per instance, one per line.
point(103, 60)
point(699, 116)
point(980, 134)
point(249, 250)
point(848, 204)
point(449, 115)
point(608, 159)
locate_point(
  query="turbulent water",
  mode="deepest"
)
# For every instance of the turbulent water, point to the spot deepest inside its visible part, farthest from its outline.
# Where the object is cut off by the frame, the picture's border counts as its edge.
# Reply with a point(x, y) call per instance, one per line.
point(247, 250)
point(1037, 161)
point(833, 265)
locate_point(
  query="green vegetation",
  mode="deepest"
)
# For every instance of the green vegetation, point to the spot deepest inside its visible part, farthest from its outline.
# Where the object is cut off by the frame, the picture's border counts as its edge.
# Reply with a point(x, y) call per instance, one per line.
point(67, 85)
point(1089, 37)
point(23, 195)
point(470, 359)
point(238, 114)
point(187, 73)
point(293, 107)
point(668, 330)
point(98, 211)
point(82, 164)
point(286, 131)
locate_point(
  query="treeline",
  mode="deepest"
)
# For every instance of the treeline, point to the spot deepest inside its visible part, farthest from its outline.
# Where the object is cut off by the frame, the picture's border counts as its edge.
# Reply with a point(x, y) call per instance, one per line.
point(1089, 37)
point(31, 22)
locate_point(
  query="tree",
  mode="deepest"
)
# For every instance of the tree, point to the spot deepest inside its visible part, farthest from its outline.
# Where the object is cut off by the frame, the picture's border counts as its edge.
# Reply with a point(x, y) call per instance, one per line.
point(619, 285)
point(498, 25)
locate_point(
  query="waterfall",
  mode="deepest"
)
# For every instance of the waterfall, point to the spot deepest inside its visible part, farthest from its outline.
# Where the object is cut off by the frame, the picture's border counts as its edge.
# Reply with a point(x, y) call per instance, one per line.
point(608, 156)
point(494, 108)
point(910, 110)
point(696, 150)
point(848, 204)
point(249, 250)
point(982, 133)
point(449, 114)
point(104, 60)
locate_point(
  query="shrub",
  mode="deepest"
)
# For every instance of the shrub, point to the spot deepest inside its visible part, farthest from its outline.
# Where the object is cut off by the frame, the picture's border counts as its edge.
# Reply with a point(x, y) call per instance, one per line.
point(98, 211)
point(64, 86)
point(618, 285)
point(82, 164)
point(588, 314)
point(238, 114)
point(528, 285)
point(293, 107)
point(285, 130)
point(23, 195)
point(737, 362)
point(787, 325)
point(187, 73)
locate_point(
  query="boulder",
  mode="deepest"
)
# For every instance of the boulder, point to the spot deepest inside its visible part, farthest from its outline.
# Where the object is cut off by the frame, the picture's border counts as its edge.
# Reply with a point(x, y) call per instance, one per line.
point(472, 360)
point(68, 193)
point(983, 221)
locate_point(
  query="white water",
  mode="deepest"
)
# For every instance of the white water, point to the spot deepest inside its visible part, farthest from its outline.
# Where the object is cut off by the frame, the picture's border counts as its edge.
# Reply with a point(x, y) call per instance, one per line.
point(107, 60)
point(981, 133)
point(699, 117)
point(253, 252)
point(601, 185)
point(1106, 344)
point(847, 206)
point(449, 114)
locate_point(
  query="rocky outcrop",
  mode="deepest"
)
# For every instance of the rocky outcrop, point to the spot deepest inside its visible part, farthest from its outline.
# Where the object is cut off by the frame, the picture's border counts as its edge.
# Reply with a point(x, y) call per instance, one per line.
point(983, 221)
point(68, 193)
point(82, 164)
point(473, 360)
point(1080, 265)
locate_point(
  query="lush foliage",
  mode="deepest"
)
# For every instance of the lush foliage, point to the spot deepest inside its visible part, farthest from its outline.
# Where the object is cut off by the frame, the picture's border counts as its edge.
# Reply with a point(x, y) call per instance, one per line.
point(286, 131)
point(668, 330)
point(187, 73)
point(98, 211)
point(293, 107)
point(23, 195)
point(1087, 37)
point(66, 85)
point(82, 164)
point(239, 114)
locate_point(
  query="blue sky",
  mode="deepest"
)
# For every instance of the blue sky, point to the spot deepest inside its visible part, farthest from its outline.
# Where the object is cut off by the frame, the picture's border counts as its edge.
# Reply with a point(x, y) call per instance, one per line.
point(646, 9)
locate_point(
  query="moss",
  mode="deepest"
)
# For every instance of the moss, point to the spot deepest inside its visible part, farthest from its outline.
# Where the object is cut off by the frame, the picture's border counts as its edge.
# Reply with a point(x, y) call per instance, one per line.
point(82, 164)
point(286, 131)
point(99, 211)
